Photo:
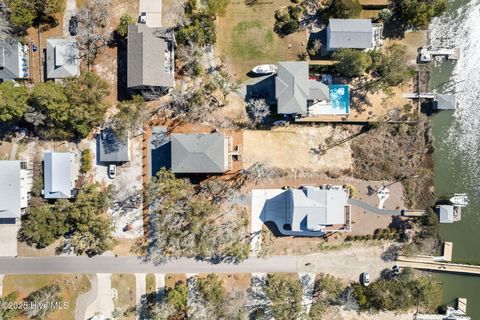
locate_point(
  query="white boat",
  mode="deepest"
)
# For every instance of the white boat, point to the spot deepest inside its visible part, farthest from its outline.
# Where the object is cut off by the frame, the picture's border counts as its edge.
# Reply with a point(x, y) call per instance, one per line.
point(459, 199)
point(265, 69)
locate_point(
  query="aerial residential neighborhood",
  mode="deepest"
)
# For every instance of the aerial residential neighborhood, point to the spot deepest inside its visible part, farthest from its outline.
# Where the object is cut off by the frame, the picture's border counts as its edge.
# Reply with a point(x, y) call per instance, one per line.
point(221, 159)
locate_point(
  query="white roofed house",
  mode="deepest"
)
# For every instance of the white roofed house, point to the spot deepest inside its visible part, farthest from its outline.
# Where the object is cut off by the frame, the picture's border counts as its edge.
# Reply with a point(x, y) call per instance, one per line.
point(14, 189)
point(59, 178)
point(63, 59)
point(307, 211)
point(359, 34)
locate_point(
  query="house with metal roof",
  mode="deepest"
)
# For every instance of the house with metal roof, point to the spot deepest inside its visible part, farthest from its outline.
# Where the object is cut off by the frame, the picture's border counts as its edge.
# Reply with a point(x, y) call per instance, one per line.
point(59, 180)
point(111, 148)
point(313, 209)
point(13, 60)
point(353, 34)
point(63, 59)
point(14, 189)
point(201, 153)
point(150, 57)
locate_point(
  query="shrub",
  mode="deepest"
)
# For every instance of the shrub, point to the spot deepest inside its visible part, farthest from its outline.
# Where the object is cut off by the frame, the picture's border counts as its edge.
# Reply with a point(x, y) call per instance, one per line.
point(125, 20)
point(86, 162)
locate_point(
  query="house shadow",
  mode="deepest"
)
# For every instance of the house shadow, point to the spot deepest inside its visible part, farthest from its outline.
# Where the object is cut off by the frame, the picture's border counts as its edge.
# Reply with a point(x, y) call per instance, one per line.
point(264, 88)
point(123, 93)
point(321, 36)
point(161, 158)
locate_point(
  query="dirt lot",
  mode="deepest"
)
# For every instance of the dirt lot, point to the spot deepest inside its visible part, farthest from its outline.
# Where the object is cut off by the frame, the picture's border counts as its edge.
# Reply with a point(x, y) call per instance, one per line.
point(247, 39)
point(291, 148)
point(125, 286)
point(71, 287)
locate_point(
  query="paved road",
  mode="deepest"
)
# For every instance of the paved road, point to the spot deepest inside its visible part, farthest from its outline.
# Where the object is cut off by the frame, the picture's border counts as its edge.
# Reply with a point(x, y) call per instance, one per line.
point(370, 208)
point(109, 264)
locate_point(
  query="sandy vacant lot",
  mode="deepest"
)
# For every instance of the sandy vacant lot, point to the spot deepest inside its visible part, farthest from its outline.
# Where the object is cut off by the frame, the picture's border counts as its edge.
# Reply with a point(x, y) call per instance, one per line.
point(291, 148)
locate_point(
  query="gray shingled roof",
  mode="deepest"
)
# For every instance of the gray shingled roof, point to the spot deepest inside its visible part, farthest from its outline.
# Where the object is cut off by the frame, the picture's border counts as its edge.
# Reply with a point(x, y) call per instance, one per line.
point(350, 33)
point(445, 213)
point(308, 208)
point(198, 153)
point(150, 57)
point(291, 87)
point(9, 60)
point(111, 149)
point(446, 102)
point(57, 175)
point(62, 58)
point(10, 189)
point(318, 90)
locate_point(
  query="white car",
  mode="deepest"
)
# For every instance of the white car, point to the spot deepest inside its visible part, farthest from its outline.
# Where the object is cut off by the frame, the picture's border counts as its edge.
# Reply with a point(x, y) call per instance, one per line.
point(365, 279)
point(143, 18)
point(112, 171)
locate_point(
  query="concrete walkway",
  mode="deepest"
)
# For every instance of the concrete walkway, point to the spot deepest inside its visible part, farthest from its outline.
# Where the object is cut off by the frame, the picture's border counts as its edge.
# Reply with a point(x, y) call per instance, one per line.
point(160, 285)
point(372, 209)
point(140, 290)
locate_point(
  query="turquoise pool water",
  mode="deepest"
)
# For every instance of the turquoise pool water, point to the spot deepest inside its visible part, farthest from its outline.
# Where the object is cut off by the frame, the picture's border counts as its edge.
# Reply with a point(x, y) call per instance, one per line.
point(339, 99)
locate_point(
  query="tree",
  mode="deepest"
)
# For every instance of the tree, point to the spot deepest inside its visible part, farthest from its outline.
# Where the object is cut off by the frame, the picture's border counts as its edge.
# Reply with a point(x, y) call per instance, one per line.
point(342, 9)
point(385, 14)
point(9, 313)
point(328, 288)
point(13, 101)
point(351, 62)
point(67, 112)
point(214, 294)
point(125, 20)
point(259, 110)
point(43, 225)
point(216, 7)
point(28, 13)
point(5, 26)
point(86, 161)
point(129, 116)
point(315, 47)
point(197, 28)
point(177, 298)
point(417, 14)
point(186, 223)
point(92, 32)
point(389, 68)
point(46, 297)
point(288, 19)
point(285, 295)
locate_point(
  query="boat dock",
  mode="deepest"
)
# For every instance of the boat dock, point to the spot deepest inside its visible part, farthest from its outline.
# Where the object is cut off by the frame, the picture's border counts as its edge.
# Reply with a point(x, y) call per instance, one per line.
point(441, 263)
point(458, 313)
point(427, 54)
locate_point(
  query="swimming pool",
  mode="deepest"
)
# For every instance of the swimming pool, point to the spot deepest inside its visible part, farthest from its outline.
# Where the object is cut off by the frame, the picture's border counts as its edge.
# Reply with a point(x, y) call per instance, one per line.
point(339, 99)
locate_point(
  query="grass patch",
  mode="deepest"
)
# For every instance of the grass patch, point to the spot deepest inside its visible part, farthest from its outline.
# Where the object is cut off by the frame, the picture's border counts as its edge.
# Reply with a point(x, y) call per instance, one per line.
point(125, 285)
point(246, 38)
point(71, 287)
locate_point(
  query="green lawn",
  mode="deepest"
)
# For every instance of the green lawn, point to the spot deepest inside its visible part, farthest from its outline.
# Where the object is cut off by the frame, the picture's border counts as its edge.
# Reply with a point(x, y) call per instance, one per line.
point(245, 37)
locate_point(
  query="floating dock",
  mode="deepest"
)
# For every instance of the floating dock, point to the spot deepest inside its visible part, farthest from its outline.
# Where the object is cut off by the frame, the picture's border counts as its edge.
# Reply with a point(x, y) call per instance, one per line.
point(427, 54)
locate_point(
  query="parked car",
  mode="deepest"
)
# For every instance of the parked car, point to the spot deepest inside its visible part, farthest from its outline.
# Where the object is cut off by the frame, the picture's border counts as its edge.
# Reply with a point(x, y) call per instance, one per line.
point(112, 171)
point(73, 26)
point(365, 279)
point(143, 18)
point(281, 123)
point(396, 270)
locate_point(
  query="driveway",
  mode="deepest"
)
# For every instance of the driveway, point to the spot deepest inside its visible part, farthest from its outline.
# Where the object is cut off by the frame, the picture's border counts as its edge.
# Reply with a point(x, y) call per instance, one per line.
point(103, 304)
point(8, 239)
point(153, 8)
point(70, 10)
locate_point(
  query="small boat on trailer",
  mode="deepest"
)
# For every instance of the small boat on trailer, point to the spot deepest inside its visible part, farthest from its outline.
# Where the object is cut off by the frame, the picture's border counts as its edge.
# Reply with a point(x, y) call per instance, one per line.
point(459, 199)
point(265, 69)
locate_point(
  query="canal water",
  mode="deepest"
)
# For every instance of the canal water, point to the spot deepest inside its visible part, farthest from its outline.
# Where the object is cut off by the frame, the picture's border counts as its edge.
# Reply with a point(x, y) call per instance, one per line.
point(457, 142)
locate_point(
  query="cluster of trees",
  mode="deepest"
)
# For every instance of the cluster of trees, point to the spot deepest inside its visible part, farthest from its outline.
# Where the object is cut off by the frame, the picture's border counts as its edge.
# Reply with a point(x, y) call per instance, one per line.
point(84, 220)
point(47, 296)
point(427, 239)
point(380, 70)
point(198, 25)
point(32, 13)
point(285, 295)
point(402, 292)
point(199, 102)
point(341, 9)
point(417, 14)
point(185, 222)
point(287, 19)
point(56, 111)
point(129, 116)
